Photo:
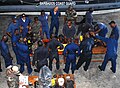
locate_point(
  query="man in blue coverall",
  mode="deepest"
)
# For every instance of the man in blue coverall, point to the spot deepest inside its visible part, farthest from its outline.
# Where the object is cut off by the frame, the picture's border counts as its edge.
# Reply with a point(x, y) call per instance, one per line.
point(43, 18)
point(13, 25)
point(101, 29)
point(115, 30)
point(24, 23)
point(5, 51)
point(70, 52)
point(89, 16)
point(111, 54)
point(86, 51)
point(53, 51)
point(69, 30)
point(55, 14)
point(40, 56)
point(14, 40)
point(23, 52)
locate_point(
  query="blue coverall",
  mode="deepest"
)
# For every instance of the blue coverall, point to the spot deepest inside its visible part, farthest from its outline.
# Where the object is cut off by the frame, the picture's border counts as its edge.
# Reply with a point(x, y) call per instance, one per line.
point(5, 53)
point(53, 52)
point(70, 53)
point(111, 53)
point(45, 27)
point(12, 27)
point(103, 29)
point(23, 52)
point(115, 32)
point(69, 32)
point(54, 22)
point(89, 18)
point(24, 25)
point(14, 40)
point(86, 53)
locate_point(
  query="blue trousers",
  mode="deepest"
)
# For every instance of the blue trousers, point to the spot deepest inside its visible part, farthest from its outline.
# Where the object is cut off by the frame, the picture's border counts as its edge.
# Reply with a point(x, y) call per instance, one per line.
point(113, 62)
point(70, 60)
point(53, 55)
point(28, 67)
point(8, 60)
point(46, 31)
point(56, 25)
point(16, 53)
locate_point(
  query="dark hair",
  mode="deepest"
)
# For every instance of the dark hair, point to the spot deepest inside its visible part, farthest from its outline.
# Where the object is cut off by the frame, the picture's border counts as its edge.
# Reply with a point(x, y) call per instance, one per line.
point(112, 22)
point(40, 43)
point(91, 9)
point(35, 18)
point(42, 11)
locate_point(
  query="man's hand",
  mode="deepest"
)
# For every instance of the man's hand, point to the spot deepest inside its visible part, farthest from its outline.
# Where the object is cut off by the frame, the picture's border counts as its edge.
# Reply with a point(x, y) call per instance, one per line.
point(92, 33)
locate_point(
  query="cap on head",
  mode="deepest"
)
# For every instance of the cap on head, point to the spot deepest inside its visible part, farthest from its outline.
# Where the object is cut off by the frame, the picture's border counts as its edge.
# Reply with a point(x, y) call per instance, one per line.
point(112, 22)
point(23, 15)
point(14, 18)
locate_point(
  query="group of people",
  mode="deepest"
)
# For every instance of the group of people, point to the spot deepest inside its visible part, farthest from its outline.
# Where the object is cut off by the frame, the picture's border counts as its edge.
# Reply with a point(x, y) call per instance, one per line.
point(24, 32)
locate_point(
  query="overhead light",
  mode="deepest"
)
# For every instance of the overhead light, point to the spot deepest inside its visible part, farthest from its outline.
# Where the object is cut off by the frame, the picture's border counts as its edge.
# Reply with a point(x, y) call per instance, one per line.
point(86, 1)
point(21, 1)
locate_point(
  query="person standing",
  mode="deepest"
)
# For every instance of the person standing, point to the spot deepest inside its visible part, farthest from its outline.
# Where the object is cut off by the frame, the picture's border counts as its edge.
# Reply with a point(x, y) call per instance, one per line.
point(86, 52)
point(53, 51)
point(89, 16)
point(23, 52)
point(70, 52)
point(5, 51)
point(36, 26)
point(115, 30)
point(24, 23)
point(43, 18)
point(111, 53)
point(40, 56)
point(55, 14)
point(69, 30)
point(12, 27)
point(15, 39)
point(70, 14)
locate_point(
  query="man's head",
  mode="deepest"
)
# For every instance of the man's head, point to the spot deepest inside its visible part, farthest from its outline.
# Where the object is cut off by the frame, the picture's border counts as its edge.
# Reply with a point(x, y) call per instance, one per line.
point(40, 43)
point(91, 9)
point(70, 7)
point(16, 32)
point(5, 38)
point(35, 18)
point(23, 16)
point(112, 24)
point(69, 23)
point(42, 12)
point(56, 8)
point(14, 19)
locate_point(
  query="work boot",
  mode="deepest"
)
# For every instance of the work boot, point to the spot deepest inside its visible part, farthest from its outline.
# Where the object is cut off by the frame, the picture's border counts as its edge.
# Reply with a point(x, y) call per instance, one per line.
point(112, 70)
point(100, 68)
point(36, 70)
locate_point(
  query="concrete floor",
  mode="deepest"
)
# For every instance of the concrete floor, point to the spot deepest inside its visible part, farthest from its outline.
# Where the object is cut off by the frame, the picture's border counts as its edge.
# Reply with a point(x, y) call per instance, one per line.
point(91, 79)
